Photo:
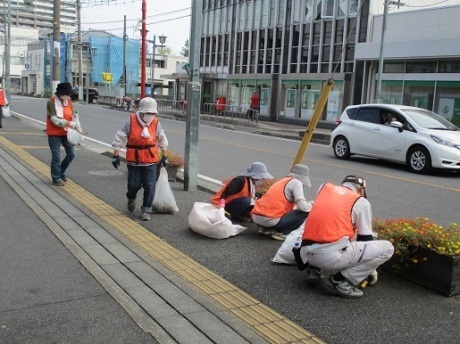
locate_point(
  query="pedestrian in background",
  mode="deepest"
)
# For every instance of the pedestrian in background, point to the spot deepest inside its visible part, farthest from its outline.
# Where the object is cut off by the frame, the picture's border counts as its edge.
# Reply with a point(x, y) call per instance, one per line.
point(284, 208)
point(59, 117)
point(338, 237)
point(3, 102)
point(239, 195)
point(253, 106)
point(143, 138)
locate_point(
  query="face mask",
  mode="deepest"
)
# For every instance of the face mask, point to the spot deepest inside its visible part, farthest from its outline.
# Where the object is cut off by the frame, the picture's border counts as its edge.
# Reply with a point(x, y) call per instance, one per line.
point(147, 118)
point(258, 182)
point(65, 97)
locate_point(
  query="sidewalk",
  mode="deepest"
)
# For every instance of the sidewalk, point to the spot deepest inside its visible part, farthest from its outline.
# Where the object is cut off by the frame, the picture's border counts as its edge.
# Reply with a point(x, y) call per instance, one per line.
point(108, 278)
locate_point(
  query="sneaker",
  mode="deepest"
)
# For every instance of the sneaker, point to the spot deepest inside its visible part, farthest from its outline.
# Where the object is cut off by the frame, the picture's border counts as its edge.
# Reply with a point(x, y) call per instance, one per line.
point(266, 231)
point(131, 205)
point(342, 288)
point(372, 278)
point(64, 178)
point(59, 182)
point(145, 216)
point(279, 236)
point(314, 275)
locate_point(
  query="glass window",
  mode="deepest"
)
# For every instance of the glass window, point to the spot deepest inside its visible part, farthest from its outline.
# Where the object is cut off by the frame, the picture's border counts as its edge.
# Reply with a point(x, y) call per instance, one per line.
point(264, 12)
point(393, 67)
point(354, 5)
point(449, 66)
point(328, 9)
point(272, 12)
point(309, 10)
point(343, 8)
point(421, 67)
point(281, 12)
point(371, 115)
point(257, 5)
point(297, 11)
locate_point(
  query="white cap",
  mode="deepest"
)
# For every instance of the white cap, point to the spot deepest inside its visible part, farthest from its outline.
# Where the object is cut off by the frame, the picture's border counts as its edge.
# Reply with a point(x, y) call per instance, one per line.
point(148, 105)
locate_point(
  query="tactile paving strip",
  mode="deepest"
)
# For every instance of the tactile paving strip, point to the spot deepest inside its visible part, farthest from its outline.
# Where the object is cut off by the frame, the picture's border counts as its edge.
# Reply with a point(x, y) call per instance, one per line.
point(266, 322)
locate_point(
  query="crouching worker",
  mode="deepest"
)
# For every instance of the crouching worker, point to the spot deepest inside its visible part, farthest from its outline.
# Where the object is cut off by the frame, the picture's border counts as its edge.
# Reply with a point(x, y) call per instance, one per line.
point(283, 208)
point(238, 196)
point(338, 237)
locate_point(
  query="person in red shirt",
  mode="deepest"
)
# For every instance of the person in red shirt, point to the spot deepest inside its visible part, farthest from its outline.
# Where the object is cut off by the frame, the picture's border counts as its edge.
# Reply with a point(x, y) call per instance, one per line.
point(253, 106)
point(3, 102)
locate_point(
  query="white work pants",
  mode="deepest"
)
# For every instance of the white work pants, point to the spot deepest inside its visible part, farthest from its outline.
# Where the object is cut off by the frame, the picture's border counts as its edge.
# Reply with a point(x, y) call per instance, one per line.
point(356, 261)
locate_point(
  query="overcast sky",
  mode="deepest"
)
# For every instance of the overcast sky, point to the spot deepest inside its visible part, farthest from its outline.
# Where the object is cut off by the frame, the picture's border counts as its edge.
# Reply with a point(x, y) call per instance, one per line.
point(164, 17)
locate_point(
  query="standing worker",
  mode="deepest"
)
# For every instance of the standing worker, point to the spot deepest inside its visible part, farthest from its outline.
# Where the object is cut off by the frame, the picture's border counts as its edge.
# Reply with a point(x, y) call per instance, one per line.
point(143, 138)
point(283, 208)
point(239, 195)
point(3, 102)
point(59, 117)
point(338, 237)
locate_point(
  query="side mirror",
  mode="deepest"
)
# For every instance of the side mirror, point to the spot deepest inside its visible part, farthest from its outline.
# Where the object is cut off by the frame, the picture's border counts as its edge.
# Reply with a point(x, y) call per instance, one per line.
point(397, 124)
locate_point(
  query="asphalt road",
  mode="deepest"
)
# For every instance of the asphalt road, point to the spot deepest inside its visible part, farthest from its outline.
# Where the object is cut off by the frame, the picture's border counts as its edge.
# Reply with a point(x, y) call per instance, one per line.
point(394, 311)
point(394, 192)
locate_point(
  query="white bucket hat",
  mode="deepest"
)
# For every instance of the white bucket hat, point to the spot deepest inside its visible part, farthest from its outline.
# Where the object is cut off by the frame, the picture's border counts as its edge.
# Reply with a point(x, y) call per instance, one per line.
point(301, 172)
point(257, 170)
point(148, 105)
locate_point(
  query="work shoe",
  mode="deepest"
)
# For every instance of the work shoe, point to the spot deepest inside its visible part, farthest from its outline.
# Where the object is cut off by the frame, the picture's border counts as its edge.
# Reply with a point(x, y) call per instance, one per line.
point(266, 231)
point(131, 205)
point(372, 278)
point(64, 178)
point(145, 216)
point(314, 275)
point(279, 236)
point(59, 182)
point(342, 288)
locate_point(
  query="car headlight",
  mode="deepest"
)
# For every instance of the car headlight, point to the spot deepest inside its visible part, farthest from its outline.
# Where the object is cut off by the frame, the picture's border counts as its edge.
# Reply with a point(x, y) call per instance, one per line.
point(444, 141)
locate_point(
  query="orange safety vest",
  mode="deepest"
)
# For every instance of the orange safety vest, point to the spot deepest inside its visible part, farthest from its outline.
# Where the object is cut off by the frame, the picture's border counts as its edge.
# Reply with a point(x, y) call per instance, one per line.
point(274, 203)
point(54, 130)
point(330, 217)
point(140, 149)
point(2, 98)
point(245, 192)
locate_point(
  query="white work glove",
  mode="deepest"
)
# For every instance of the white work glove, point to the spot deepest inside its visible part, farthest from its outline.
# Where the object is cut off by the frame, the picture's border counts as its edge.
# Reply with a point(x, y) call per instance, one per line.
point(72, 124)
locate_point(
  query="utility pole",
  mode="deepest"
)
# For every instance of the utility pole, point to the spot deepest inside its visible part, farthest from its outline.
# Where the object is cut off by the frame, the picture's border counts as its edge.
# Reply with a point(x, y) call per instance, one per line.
point(56, 44)
point(143, 47)
point(7, 55)
point(378, 97)
point(125, 38)
point(79, 45)
point(193, 97)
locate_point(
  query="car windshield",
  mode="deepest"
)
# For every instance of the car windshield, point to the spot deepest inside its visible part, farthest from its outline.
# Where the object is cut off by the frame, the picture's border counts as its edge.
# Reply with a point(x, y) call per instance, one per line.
point(429, 120)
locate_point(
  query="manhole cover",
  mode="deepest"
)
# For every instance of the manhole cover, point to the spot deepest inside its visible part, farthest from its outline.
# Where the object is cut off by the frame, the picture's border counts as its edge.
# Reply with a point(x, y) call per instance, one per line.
point(106, 173)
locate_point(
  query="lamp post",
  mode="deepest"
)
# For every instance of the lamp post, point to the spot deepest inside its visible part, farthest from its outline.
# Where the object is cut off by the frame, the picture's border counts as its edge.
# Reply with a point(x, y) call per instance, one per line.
point(162, 39)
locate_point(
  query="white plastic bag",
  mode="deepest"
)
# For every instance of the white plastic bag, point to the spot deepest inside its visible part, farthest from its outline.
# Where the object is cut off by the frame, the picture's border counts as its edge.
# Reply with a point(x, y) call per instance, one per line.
point(285, 254)
point(164, 201)
point(74, 137)
point(209, 220)
point(6, 112)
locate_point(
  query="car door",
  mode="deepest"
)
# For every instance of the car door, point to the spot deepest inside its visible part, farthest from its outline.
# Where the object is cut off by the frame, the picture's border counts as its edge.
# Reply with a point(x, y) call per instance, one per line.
point(361, 129)
point(388, 142)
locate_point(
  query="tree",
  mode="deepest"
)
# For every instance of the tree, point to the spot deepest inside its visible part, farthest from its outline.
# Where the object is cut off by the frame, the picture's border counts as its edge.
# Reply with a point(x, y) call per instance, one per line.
point(165, 51)
point(185, 49)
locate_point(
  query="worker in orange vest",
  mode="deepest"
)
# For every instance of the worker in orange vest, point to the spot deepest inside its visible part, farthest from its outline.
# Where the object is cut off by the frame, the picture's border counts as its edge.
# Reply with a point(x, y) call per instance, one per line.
point(3, 102)
point(338, 237)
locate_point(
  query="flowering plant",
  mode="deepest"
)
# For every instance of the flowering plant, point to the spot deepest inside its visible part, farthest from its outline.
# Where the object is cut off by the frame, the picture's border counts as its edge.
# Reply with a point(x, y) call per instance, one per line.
point(409, 234)
point(175, 159)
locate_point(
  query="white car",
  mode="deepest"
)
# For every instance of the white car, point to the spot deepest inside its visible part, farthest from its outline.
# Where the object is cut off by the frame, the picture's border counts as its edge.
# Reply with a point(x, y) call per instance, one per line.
point(418, 137)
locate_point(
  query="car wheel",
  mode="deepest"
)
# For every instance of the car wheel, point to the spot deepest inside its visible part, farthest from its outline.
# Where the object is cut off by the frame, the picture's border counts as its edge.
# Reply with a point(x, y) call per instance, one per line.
point(94, 101)
point(341, 148)
point(419, 159)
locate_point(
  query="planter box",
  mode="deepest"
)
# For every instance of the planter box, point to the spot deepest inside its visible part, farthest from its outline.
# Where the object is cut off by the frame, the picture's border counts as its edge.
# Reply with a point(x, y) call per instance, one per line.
point(432, 270)
point(172, 172)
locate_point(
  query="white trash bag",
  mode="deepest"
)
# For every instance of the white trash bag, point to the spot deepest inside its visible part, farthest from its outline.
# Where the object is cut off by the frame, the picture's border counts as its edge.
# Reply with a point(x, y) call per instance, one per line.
point(6, 112)
point(74, 137)
point(164, 201)
point(208, 220)
point(285, 254)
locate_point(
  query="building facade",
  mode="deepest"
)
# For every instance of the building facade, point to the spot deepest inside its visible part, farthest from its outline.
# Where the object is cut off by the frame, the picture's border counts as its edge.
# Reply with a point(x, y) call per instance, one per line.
point(287, 50)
